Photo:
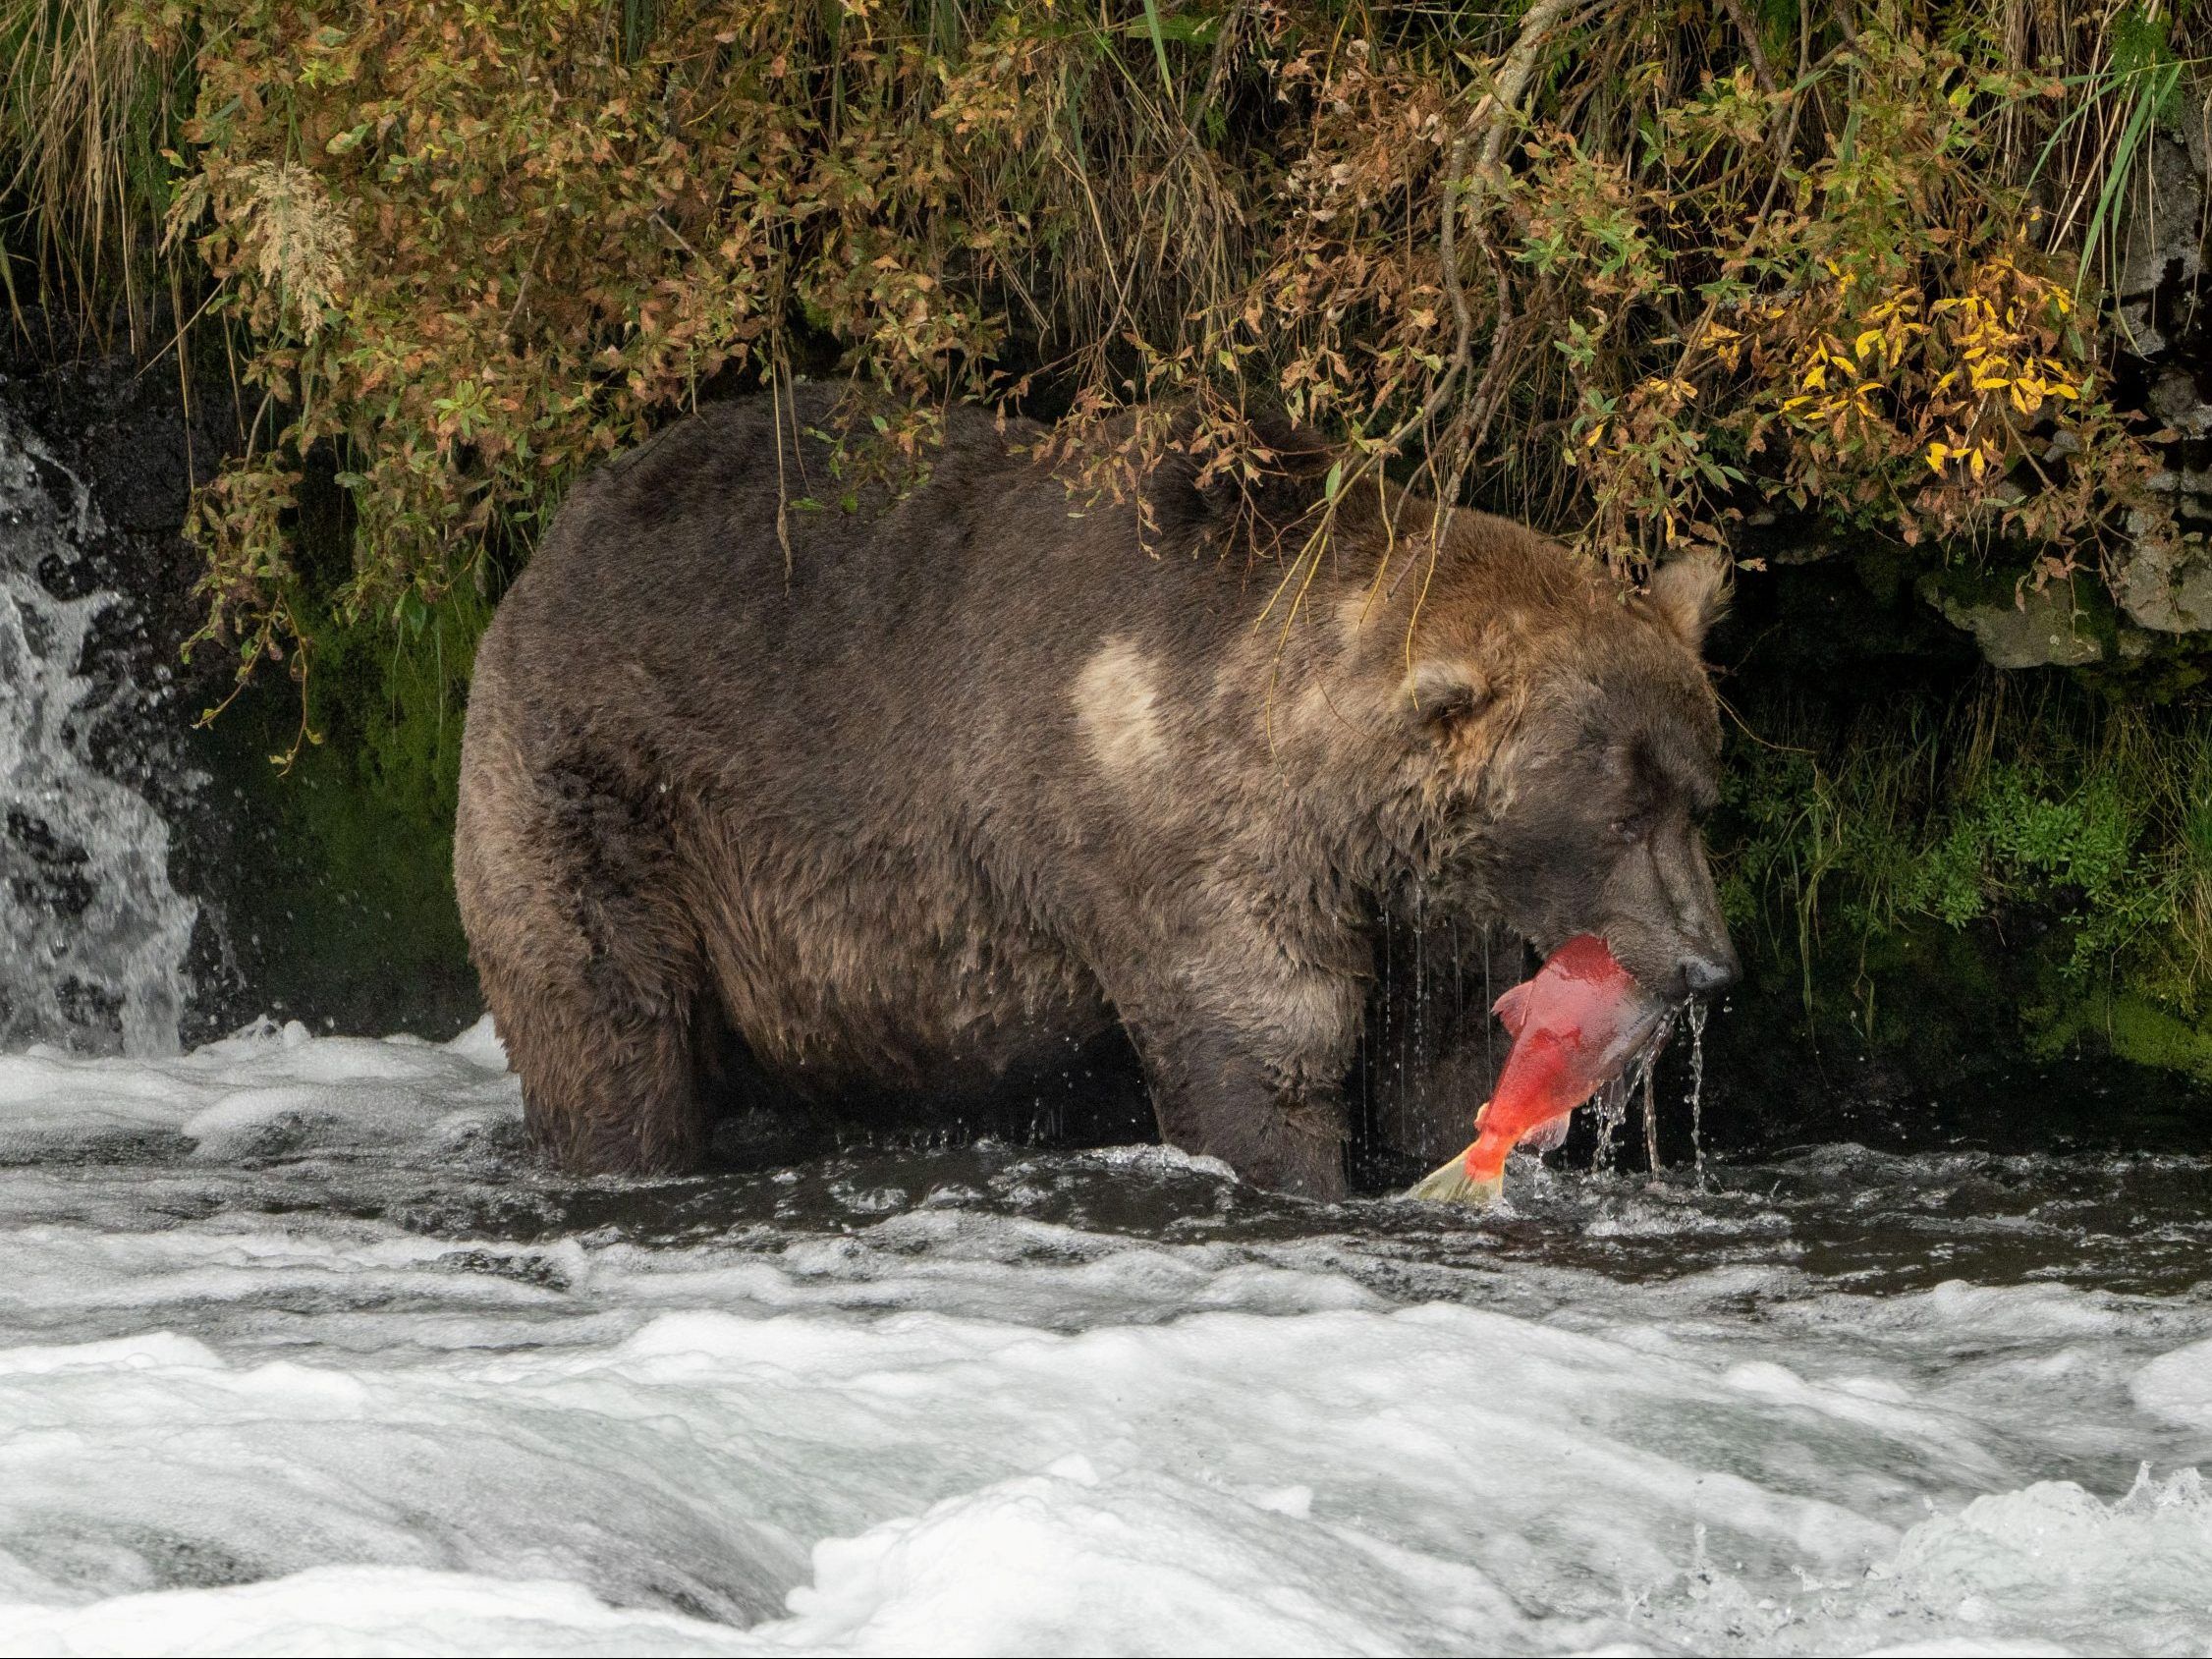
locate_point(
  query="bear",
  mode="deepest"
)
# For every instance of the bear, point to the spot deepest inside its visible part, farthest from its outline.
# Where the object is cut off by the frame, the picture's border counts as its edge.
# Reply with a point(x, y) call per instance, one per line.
point(784, 779)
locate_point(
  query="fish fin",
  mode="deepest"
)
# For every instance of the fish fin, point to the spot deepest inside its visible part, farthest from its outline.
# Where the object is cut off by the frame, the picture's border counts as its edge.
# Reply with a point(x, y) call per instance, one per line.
point(1513, 1008)
point(1547, 1134)
point(1452, 1185)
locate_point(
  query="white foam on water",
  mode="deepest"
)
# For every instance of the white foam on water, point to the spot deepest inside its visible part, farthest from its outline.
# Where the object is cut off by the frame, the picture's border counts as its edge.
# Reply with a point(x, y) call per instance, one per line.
point(233, 1420)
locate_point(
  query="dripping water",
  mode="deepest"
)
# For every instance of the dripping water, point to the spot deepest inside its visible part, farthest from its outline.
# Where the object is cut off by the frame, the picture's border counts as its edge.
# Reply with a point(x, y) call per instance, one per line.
point(1610, 1111)
point(1489, 1025)
point(1697, 1091)
point(1652, 1123)
point(93, 935)
point(1610, 1107)
point(1419, 1031)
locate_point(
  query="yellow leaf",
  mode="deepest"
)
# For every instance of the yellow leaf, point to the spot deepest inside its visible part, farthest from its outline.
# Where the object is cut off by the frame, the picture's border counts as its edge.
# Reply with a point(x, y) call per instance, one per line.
point(1936, 456)
point(1866, 342)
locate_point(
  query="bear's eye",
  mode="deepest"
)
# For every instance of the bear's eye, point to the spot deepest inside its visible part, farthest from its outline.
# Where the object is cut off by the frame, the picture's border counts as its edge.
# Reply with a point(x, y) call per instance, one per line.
point(1635, 826)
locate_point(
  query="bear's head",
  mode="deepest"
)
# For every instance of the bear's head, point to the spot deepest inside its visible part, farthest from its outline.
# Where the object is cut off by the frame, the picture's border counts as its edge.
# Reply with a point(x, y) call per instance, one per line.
point(1568, 740)
point(1551, 742)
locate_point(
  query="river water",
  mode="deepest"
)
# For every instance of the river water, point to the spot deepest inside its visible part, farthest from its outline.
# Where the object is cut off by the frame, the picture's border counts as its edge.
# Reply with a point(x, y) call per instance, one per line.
point(297, 1352)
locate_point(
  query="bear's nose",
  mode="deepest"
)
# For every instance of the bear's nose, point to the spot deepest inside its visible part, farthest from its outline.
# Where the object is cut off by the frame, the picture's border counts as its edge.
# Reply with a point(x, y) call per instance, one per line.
point(1703, 976)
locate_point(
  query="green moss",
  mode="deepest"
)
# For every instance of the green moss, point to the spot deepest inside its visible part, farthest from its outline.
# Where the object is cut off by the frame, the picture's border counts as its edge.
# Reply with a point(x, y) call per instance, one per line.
point(1981, 869)
point(2127, 1026)
point(342, 906)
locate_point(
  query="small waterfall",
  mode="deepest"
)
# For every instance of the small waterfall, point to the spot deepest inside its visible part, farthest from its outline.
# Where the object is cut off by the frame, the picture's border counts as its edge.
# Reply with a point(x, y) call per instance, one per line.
point(93, 936)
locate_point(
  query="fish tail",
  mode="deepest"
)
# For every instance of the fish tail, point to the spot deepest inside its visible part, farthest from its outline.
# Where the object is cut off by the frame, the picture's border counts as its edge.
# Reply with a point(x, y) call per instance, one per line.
point(1455, 1184)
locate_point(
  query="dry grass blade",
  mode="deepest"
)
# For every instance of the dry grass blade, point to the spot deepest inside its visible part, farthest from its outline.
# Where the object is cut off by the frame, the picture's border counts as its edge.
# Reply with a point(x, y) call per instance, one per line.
point(87, 105)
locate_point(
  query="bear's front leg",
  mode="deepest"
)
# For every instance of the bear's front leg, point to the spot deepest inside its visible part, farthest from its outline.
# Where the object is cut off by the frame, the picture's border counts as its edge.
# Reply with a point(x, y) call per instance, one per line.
point(1264, 1097)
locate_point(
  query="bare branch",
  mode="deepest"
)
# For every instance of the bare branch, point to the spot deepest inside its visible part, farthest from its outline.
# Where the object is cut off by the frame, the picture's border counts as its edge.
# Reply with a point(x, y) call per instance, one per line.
point(1749, 33)
point(1514, 70)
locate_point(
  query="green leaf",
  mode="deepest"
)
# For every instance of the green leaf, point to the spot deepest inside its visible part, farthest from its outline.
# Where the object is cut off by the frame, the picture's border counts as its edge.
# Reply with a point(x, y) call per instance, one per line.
point(1159, 48)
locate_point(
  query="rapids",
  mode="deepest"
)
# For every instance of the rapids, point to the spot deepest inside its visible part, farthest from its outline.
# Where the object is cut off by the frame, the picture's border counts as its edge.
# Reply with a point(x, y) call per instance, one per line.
point(296, 1351)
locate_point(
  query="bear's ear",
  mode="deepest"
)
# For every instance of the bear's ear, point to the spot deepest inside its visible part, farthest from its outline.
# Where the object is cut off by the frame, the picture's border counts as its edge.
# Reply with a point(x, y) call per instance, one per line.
point(1690, 594)
point(1445, 692)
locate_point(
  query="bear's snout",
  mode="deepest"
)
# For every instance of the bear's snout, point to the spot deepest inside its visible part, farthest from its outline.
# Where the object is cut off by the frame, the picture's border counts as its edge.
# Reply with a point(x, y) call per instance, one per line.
point(1709, 975)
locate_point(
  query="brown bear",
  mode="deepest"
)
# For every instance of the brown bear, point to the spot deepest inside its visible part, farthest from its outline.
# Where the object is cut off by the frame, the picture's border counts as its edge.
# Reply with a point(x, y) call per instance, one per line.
point(942, 780)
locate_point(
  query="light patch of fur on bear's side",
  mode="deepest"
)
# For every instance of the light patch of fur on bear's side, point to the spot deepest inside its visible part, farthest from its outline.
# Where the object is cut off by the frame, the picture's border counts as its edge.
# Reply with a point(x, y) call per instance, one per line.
point(1117, 700)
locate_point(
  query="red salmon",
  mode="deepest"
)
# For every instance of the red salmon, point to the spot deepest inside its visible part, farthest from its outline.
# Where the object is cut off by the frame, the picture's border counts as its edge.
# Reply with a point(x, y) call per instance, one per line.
point(1575, 1025)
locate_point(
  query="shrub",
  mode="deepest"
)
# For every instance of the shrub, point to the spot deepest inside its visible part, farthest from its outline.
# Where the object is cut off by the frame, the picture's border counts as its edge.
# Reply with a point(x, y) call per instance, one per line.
point(1626, 269)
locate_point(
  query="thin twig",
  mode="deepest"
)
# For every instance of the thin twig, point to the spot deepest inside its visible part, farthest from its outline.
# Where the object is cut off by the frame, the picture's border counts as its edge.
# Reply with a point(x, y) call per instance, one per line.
point(1748, 31)
point(1515, 72)
point(1489, 392)
point(1492, 121)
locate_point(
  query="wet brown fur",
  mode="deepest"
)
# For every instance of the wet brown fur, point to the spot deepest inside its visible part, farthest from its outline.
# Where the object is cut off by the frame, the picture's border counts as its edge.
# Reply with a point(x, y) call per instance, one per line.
point(977, 772)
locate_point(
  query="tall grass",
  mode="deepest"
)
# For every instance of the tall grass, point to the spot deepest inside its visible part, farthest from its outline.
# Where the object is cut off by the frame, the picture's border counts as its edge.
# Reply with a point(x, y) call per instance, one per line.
point(89, 106)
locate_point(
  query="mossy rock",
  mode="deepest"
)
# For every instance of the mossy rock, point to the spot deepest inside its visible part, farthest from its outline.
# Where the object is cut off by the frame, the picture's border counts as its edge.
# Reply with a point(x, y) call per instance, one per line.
point(2127, 1026)
point(2062, 624)
point(339, 906)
